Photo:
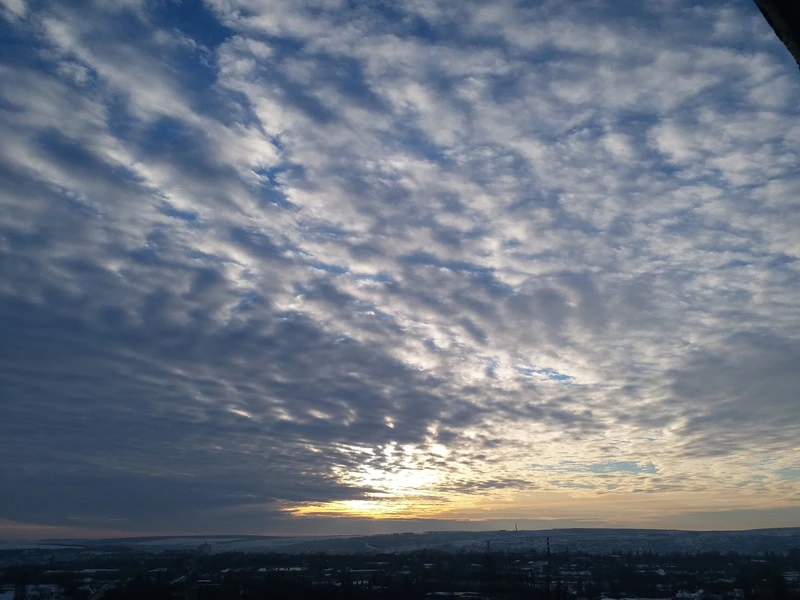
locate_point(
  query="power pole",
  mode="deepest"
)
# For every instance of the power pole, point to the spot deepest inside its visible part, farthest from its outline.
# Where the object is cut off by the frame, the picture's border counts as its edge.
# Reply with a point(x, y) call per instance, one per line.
point(547, 575)
point(490, 567)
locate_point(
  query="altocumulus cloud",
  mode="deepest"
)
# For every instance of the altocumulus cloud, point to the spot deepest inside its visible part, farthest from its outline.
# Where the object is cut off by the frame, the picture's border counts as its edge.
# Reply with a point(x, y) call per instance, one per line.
point(264, 262)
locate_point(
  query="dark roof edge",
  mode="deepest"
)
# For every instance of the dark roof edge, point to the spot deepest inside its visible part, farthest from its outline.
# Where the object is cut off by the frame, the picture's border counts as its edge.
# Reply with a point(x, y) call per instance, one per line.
point(784, 18)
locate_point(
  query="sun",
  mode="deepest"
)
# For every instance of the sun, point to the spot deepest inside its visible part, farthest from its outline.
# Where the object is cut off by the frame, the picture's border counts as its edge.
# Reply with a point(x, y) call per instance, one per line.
point(400, 486)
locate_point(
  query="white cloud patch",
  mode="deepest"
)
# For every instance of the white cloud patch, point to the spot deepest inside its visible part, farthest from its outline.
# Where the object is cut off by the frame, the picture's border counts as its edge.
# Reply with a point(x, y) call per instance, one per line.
point(13, 9)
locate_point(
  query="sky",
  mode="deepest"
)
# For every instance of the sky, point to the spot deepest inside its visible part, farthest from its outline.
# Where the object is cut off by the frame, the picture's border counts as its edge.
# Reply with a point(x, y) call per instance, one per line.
point(330, 266)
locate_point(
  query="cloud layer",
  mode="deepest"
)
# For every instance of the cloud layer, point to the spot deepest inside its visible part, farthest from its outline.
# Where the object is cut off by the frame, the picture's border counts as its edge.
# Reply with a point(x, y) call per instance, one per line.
point(263, 262)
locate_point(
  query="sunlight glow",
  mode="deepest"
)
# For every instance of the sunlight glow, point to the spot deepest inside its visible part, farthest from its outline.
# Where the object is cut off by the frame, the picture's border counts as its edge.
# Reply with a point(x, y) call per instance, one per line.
point(400, 484)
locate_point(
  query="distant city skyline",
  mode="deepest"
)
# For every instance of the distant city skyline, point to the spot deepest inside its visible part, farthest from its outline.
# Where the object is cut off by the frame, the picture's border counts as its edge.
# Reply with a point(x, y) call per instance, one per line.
point(349, 527)
point(331, 267)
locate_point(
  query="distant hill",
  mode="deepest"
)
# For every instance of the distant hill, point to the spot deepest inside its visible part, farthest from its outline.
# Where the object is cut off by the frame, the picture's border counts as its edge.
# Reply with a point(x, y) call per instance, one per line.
point(593, 541)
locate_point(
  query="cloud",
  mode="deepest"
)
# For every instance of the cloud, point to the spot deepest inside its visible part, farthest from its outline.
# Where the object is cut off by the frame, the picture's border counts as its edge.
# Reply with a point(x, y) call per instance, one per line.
point(267, 258)
point(618, 466)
